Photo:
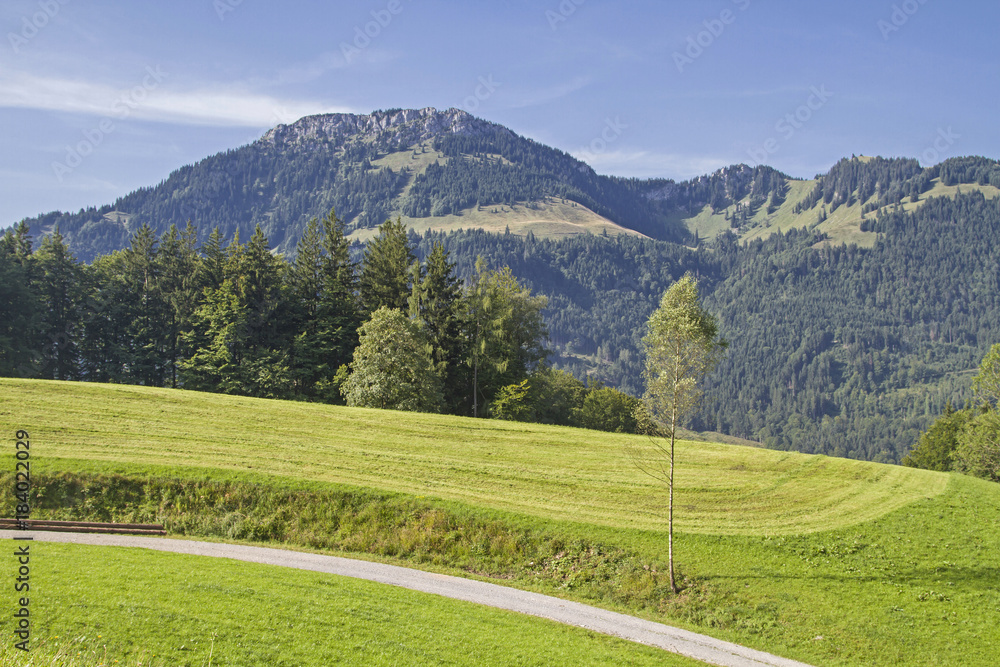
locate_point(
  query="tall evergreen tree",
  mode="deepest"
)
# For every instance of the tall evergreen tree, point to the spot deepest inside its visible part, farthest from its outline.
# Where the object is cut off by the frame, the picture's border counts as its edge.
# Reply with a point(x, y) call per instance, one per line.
point(212, 267)
point(62, 305)
point(305, 287)
point(179, 265)
point(149, 317)
point(324, 288)
point(385, 271)
point(107, 341)
point(258, 275)
point(239, 333)
point(437, 302)
point(19, 304)
point(216, 341)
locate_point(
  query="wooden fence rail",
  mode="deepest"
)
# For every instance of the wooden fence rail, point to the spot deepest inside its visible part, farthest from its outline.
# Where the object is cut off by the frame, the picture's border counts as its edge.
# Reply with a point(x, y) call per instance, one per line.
point(84, 527)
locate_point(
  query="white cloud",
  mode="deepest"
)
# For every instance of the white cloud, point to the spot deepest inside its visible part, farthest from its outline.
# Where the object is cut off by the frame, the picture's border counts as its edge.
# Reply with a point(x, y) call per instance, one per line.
point(152, 98)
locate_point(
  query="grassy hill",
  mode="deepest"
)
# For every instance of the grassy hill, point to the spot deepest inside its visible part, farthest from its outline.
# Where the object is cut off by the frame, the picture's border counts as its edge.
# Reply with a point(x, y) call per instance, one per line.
point(546, 471)
point(825, 560)
point(549, 217)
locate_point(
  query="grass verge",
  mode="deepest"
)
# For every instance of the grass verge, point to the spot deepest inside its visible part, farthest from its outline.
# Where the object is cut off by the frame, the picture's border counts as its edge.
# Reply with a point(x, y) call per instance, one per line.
point(113, 606)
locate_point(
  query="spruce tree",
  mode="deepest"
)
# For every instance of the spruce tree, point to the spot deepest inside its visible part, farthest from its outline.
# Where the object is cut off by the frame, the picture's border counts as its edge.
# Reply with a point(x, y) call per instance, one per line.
point(437, 302)
point(323, 286)
point(62, 299)
point(19, 304)
point(239, 337)
point(385, 271)
point(106, 346)
point(212, 267)
point(148, 316)
point(340, 311)
point(179, 265)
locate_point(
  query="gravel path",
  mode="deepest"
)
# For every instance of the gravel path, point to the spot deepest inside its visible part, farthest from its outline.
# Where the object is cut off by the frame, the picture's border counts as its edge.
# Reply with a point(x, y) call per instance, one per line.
point(693, 645)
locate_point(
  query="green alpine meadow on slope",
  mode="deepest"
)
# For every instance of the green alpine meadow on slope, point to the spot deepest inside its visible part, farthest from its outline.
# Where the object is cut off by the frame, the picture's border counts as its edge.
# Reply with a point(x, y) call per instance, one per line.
point(824, 560)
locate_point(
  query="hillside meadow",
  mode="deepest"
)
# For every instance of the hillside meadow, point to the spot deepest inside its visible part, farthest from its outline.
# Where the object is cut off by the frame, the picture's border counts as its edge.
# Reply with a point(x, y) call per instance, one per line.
point(545, 471)
point(824, 560)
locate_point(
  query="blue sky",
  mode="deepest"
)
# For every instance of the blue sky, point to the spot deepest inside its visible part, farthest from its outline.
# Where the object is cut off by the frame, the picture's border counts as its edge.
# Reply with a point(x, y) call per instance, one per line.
point(98, 98)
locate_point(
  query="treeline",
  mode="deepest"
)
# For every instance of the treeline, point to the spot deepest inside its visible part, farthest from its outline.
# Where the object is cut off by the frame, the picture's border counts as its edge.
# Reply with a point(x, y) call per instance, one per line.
point(857, 179)
point(387, 331)
point(839, 350)
point(728, 186)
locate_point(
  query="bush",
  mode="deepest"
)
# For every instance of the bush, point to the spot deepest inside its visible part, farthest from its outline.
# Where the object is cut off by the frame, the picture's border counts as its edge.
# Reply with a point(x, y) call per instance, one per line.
point(608, 409)
point(512, 403)
point(978, 452)
point(937, 445)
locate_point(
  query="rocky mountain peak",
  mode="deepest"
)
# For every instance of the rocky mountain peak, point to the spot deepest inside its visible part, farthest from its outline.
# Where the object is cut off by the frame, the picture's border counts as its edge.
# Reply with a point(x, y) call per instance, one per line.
point(407, 126)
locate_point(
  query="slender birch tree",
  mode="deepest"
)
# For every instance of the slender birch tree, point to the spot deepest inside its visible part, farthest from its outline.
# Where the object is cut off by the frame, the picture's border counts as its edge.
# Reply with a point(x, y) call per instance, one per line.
point(682, 346)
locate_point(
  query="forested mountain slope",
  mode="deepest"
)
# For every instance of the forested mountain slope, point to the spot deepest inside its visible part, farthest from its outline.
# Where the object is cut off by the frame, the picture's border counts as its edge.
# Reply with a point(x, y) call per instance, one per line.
point(841, 350)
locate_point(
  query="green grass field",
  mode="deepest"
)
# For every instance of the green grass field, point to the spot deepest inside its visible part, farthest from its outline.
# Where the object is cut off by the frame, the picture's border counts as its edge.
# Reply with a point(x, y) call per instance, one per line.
point(824, 560)
point(106, 605)
point(544, 471)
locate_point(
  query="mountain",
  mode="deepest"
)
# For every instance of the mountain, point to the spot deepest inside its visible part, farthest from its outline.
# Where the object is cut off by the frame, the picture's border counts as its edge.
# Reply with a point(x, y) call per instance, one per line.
point(447, 170)
point(438, 170)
